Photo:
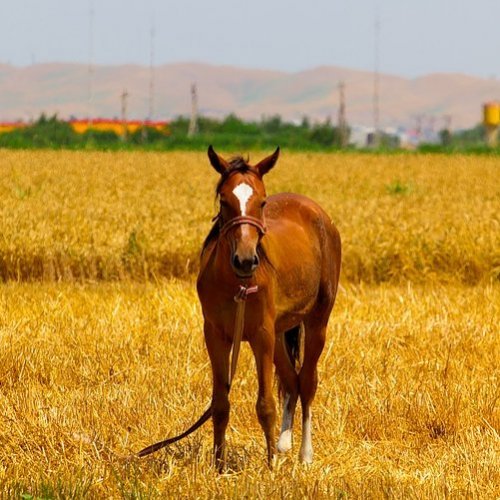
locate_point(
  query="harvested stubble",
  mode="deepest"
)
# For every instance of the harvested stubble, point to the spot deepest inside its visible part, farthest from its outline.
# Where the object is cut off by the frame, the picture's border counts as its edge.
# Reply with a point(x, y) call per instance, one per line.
point(107, 216)
point(408, 403)
point(407, 407)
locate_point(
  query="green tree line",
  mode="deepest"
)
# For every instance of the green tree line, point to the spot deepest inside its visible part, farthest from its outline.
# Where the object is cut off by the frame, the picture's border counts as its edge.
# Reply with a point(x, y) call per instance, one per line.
point(230, 132)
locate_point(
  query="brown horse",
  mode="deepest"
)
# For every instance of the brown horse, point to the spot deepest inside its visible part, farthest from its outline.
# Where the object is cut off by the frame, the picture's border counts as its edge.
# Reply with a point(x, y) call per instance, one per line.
point(280, 257)
point(285, 249)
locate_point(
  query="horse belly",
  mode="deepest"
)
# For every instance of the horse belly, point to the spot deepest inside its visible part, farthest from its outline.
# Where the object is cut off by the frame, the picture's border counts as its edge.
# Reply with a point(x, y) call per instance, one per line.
point(297, 286)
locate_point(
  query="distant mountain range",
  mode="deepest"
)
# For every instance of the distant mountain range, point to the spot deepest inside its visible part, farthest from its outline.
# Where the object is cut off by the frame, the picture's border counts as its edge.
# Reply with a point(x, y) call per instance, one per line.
point(63, 88)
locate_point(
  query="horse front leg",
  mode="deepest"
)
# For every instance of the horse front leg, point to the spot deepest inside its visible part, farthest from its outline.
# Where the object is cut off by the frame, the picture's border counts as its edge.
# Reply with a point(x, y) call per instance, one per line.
point(218, 350)
point(263, 349)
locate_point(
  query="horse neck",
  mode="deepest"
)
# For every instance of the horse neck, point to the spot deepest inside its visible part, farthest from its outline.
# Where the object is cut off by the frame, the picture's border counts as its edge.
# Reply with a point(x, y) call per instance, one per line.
point(221, 261)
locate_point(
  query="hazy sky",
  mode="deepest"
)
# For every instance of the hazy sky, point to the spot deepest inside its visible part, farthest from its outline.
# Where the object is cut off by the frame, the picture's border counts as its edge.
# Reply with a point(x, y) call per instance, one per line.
point(416, 37)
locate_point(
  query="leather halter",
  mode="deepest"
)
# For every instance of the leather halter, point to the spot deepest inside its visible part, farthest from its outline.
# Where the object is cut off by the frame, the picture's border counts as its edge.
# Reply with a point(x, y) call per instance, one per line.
point(244, 219)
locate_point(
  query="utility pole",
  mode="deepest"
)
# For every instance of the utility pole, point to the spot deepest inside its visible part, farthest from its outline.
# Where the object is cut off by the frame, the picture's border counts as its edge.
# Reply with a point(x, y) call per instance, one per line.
point(150, 116)
point(445, 133)
point(193, 124)
point(376, 83)
point(342, 122)
point(151, 110)
point(124, 97)
point(91, 65)
point(418, 127)
point(447, 122)
point(432, 123)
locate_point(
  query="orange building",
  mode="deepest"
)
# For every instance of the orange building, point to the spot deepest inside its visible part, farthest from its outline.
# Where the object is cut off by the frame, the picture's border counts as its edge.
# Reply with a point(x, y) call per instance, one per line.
point(10, 126)
point(99, 124)
point(116, 126)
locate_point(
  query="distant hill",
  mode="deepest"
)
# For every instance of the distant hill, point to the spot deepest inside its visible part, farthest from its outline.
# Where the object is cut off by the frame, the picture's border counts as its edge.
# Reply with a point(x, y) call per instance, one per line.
point(250, 93)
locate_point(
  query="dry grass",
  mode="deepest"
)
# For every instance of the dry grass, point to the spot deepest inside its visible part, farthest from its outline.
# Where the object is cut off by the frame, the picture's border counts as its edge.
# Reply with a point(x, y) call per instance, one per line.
point(112, 357)
point(408, 404)
point(100, 216)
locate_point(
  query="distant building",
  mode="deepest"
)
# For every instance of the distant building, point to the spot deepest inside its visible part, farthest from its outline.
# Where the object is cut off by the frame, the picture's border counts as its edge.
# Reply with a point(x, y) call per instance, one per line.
point(10, 126)
point(98, 124)
point(115, 125)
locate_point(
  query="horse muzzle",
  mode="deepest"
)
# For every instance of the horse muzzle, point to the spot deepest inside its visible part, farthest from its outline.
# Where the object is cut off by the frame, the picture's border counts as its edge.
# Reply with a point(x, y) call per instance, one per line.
point(244, 258)
point(244, 267)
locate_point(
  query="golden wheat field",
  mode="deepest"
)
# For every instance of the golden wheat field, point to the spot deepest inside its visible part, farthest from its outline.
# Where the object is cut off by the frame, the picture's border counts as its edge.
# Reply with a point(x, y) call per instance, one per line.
point(101, 346)
point(81, 215)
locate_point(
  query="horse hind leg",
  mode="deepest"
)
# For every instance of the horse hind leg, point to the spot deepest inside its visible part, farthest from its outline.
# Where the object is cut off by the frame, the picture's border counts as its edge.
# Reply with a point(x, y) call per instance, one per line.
point(287, 353)
point(315, 335)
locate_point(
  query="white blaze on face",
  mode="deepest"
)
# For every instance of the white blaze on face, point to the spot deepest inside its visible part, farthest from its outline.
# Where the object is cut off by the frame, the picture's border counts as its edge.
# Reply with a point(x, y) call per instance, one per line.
point(243, 192)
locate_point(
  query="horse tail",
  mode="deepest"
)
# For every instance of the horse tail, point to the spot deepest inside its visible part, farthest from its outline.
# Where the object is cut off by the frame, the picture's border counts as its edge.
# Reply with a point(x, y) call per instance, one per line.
point(293, 340)
point(161, 444)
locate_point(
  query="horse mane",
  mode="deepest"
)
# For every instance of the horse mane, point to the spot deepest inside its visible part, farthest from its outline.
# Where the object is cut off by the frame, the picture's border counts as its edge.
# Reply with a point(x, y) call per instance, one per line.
point(213, 234)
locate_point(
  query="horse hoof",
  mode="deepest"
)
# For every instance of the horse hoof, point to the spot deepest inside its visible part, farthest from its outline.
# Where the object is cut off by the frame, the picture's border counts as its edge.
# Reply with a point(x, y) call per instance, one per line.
point(306, 457)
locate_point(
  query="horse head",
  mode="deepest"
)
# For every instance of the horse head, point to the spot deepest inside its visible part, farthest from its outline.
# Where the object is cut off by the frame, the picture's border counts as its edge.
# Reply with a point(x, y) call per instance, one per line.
point(242, 197)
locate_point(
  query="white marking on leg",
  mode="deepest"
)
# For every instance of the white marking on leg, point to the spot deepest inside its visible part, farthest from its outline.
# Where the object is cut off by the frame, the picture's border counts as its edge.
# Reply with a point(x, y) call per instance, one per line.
point(306, 449)
point(285, 440)
point(243, 192)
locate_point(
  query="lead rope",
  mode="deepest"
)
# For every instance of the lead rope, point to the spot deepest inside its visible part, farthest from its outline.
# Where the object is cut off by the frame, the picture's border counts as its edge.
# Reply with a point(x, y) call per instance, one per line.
point(239, 324)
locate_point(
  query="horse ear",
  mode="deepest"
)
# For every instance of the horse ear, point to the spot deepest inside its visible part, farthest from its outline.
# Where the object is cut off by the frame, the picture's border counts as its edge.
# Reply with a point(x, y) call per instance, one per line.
point(217, 162)
point(268, 163)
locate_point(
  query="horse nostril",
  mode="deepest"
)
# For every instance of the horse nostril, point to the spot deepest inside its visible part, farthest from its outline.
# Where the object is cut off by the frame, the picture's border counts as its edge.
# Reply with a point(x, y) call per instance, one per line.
point(245, 266)
point(236, 261)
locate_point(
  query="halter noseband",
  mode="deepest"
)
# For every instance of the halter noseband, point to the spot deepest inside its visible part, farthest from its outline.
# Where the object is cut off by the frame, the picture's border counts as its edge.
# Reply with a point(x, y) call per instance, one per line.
point(244, 219)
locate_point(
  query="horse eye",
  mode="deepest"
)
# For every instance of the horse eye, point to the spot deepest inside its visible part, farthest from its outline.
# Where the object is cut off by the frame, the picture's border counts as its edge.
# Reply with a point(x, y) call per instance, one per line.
point(263, 204)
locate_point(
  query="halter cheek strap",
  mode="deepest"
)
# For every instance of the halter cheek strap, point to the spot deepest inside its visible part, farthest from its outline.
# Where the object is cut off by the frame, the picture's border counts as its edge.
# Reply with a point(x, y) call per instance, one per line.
point(243, 219)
